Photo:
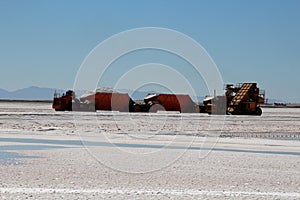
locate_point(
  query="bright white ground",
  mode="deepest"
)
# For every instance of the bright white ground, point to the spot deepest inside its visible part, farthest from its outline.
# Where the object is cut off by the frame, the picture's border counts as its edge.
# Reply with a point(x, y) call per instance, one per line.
point(51, 155)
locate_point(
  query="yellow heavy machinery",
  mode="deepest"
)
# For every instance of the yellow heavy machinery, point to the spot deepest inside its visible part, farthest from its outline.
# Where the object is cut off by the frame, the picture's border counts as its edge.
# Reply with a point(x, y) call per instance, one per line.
point(240, 99)
point(244, 99)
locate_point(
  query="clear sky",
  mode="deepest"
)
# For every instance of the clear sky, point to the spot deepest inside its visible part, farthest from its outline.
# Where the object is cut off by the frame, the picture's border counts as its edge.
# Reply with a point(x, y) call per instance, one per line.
point(43, 43)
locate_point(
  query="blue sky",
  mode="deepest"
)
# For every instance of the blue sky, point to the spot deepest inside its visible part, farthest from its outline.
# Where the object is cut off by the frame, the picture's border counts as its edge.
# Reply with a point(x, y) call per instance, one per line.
point(43, 43)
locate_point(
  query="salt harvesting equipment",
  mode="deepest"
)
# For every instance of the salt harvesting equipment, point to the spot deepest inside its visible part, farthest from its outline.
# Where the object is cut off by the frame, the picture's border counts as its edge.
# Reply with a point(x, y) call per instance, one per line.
point(64, 102)
point(109, 101)
point(244, 99)
point(92, 102)
point(171, 102)
point(69, 102)
point(240, 99)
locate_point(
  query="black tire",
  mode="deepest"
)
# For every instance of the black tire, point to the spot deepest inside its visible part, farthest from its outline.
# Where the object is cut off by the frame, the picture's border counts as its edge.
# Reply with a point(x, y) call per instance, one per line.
point(156, 107)
point(258, 111)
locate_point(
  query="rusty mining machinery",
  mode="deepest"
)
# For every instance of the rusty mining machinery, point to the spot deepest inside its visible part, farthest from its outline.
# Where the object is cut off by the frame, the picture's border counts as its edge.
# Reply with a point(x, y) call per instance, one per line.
point(240, 99)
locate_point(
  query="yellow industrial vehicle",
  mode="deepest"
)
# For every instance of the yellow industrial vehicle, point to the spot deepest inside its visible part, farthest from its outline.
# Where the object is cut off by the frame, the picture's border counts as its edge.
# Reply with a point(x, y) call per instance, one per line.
point(240, 99)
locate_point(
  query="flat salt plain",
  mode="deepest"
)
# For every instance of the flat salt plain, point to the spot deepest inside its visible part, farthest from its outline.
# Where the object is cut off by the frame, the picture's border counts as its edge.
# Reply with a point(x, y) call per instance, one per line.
point(70, 155)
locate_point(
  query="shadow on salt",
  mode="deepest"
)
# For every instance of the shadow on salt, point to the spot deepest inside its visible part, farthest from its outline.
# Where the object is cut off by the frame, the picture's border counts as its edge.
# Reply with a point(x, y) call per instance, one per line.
point(14, 158)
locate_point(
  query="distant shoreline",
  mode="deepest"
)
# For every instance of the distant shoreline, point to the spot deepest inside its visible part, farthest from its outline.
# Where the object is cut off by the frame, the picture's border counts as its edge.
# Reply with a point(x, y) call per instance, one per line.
point(26, 101)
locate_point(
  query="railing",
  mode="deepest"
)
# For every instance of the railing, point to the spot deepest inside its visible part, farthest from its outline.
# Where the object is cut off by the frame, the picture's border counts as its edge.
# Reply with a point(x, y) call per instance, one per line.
point(57, 95)
point(262, 93)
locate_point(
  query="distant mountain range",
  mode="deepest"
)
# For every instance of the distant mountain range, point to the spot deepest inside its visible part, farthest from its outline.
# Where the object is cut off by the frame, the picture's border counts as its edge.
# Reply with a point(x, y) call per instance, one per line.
point(38, 93)
point(30, 93)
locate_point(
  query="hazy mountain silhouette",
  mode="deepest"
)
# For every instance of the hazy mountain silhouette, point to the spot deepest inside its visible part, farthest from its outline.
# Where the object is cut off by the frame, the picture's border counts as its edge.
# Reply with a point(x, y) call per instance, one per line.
point(30, 93)
point(3, 93)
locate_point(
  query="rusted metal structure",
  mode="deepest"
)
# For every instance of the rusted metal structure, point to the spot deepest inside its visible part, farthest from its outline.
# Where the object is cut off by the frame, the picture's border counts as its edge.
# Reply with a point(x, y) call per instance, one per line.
point(171, 102)
point(110, 101)
point(69, 102)
point(64, 102)
point(240, 99)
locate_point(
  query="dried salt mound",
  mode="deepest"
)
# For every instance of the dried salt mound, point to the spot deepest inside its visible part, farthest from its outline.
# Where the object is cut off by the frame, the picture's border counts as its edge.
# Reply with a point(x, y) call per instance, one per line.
point(101, 90)
point(106, 90)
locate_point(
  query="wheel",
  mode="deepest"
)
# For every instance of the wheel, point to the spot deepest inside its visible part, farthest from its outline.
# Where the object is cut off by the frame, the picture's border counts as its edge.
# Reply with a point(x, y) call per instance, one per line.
point(258, 111)
point(156, 107)
point(137, 108)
